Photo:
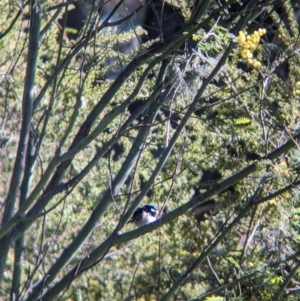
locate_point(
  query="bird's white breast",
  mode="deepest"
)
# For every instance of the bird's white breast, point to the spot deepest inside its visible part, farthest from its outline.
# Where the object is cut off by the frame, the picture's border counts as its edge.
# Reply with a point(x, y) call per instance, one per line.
point(145, 219)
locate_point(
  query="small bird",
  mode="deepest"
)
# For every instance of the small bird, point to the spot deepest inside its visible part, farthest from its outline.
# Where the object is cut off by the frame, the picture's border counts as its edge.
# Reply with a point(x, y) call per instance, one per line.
point(144, 215)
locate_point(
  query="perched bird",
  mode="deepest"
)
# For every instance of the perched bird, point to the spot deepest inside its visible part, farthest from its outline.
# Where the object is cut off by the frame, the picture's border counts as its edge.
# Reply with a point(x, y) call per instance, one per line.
point(144, 215)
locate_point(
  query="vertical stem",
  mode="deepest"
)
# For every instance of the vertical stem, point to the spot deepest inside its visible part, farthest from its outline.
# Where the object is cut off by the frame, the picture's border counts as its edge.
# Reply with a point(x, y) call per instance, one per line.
point(27, 104)
point(19, 244)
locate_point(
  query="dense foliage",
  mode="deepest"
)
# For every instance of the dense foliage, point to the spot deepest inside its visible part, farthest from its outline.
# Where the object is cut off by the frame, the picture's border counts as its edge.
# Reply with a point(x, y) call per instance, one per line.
point(90, 130)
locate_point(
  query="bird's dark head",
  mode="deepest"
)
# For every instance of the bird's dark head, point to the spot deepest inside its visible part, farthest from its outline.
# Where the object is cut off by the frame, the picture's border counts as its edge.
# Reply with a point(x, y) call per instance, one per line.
point(150, 209)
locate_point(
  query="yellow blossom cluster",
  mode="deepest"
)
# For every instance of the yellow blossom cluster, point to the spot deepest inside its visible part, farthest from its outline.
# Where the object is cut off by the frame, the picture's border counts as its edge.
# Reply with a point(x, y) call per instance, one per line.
point(297, 89)
point(249, 44)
